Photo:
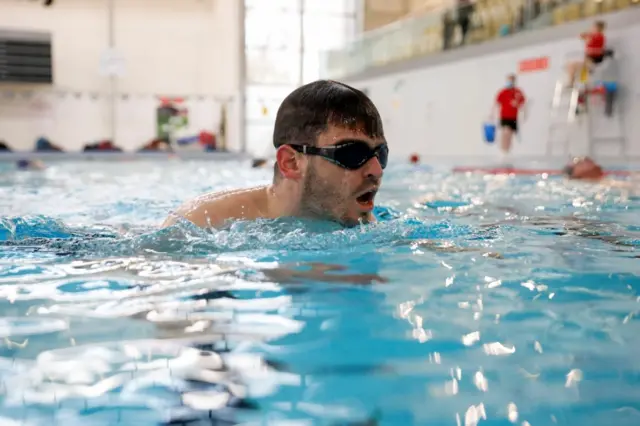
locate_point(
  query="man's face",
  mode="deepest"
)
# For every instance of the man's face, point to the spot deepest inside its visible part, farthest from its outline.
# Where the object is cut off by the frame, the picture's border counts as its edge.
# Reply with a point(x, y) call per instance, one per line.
point(336, 193)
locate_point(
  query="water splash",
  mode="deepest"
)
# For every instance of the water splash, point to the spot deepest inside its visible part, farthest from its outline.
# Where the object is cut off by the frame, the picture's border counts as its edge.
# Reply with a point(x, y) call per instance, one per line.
point(47, 235)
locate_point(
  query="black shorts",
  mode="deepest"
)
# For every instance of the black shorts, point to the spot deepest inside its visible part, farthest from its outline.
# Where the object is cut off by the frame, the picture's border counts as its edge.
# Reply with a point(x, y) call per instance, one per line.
point(513, 124)
point(596, 59)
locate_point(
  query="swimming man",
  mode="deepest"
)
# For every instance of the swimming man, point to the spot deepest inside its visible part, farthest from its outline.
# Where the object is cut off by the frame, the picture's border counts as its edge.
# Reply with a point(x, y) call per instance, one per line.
point(586, 170)
point(330, 156)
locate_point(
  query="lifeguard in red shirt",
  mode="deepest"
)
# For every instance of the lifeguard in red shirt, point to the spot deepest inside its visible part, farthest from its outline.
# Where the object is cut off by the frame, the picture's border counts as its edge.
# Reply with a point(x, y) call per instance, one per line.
point(509, 102)
point(595, 46)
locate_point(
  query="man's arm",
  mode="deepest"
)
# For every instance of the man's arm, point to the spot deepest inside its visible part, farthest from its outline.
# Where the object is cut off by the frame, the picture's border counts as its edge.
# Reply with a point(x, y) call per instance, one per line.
point(201, 215)
point(170, 220)
point(524, 106)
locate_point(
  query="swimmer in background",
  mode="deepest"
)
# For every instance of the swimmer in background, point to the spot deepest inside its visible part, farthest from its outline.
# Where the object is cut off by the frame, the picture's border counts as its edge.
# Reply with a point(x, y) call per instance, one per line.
point(584, 169)
point(258, 163)
point(30, 165)
point(330, 156)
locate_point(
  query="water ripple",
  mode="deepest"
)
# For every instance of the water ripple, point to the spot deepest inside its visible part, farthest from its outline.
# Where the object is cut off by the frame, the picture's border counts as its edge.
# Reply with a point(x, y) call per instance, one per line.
point(474, 299)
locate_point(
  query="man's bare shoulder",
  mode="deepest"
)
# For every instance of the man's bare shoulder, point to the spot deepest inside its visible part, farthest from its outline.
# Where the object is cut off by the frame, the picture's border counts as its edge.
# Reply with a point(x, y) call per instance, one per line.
point(214, 208)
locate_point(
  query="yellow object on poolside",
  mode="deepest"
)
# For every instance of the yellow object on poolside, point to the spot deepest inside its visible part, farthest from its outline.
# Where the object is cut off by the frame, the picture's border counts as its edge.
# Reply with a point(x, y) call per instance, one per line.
point(584, 74)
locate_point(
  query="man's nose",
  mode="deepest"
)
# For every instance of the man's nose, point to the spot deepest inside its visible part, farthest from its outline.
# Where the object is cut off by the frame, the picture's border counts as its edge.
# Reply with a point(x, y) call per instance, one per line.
point(373, 168)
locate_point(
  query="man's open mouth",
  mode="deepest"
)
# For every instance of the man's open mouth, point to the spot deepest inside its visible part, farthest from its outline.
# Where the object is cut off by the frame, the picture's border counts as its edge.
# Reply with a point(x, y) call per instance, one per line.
point(367, 197)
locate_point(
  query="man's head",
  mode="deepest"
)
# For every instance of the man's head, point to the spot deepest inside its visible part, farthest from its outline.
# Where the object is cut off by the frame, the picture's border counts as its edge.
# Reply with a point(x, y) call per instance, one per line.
point(583, 168)
point(599, 26)
point(511, 80)
point(330, 151)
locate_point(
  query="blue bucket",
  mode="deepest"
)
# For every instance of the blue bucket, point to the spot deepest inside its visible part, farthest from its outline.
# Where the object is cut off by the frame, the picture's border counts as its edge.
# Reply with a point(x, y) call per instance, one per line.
point(489, 132)
point(610, 86)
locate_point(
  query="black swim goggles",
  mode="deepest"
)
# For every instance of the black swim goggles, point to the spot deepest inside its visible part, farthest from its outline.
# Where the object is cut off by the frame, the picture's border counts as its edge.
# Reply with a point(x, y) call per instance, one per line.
point(348, 154)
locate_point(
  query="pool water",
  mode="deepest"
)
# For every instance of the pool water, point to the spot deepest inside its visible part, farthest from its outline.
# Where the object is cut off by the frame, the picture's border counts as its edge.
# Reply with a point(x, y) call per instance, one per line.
point(475, 300)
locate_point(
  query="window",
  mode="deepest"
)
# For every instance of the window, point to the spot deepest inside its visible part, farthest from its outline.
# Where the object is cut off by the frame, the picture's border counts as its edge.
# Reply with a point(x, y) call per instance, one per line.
point(272, 29)
point(263, 102)
point(258, 90)
point(327, 31)
point(334, 7)
point(260, 139)
point(311, 66)
point(271, 5)
point(273, 67)
point(272, 51)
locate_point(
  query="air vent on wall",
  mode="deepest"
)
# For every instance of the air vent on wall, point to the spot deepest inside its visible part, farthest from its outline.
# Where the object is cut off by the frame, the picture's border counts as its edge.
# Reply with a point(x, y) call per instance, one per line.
point(25, 57)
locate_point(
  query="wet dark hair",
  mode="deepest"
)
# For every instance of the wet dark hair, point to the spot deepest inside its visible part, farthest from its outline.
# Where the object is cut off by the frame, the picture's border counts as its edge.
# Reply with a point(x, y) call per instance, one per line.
point(310, 109)
point(568, 170)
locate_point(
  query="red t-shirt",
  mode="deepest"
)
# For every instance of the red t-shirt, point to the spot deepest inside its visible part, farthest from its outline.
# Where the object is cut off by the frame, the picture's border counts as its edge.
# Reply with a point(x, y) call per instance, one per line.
point(595, 44)
point(510, 100)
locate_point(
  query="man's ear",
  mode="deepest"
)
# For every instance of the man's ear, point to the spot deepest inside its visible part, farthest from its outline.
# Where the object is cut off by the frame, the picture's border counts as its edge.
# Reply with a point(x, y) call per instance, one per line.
point(289, 162)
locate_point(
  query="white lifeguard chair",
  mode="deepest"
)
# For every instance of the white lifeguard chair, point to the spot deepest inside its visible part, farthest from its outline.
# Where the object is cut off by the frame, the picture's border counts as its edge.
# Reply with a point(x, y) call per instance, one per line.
point(601, 122)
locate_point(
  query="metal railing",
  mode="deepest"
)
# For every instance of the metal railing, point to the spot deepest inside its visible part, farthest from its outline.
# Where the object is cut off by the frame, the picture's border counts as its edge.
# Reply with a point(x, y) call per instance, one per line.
point(451, 28)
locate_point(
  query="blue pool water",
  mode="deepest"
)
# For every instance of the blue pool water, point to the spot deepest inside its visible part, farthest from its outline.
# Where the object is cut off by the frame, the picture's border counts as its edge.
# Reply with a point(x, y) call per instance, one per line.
point(485, 300)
